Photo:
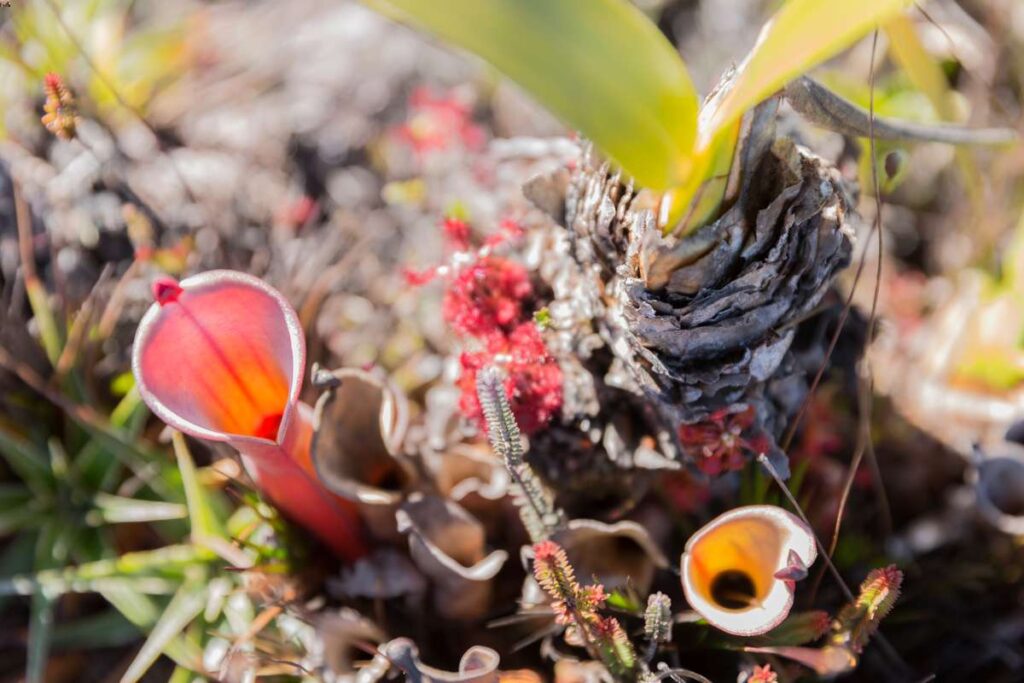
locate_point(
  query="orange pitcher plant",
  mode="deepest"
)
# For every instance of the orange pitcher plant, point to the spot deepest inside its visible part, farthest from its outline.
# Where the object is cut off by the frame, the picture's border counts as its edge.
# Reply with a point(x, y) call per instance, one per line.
point(220, 356)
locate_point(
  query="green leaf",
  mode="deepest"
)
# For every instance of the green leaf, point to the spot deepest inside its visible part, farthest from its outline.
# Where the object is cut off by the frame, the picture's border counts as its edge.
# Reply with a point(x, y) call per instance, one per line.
point(105, 629)
point(29, 514)
point(49, 333)
point(143, 612)
point(40, 631)
point(143, 463)
point(200, 510)
point(186, 605)
point(154, 571)
point(922, 68)
point(40, 626)
point(926, 74)
point(16, 558)
point(119, 509)
point(801, 35)
point(600, 65)
point(31, 464)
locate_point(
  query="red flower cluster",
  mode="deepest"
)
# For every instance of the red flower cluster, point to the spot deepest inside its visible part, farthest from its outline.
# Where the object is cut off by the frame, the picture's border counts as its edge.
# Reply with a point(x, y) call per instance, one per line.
point(486, 298)
point(533, 380)
point(436, 122)
point(485, 303)
point(722, 441)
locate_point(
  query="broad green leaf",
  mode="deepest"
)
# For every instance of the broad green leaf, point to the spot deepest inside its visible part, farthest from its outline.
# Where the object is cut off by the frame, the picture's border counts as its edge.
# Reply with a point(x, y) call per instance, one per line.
point(600, 65)
point(801, 35)
point(186, 605)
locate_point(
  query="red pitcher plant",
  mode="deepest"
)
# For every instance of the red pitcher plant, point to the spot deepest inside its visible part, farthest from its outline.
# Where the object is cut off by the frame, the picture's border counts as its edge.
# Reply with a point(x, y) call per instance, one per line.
point(220, 356)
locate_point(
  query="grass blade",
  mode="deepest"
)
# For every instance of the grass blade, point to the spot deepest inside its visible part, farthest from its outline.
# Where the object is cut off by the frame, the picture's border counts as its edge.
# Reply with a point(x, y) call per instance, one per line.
point(600, 65)
point(40, 632)
point(28, 462)
point(105, 629)
point(112, 509)
point(186, 605)
point(205, 523)
point(152, 570)
point(143, 612)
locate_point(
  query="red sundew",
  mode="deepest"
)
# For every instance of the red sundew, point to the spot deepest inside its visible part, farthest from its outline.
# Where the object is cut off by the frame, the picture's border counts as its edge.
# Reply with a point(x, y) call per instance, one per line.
point(763, 674)
point(546, 551)
point(533, 379)
point(418, 278)
point(52, 83)
point(487, 297)
point(438, 122)
point(508, 230)
point(457, 232)
point(593, 597)
point(720, 442)
point(60, 113)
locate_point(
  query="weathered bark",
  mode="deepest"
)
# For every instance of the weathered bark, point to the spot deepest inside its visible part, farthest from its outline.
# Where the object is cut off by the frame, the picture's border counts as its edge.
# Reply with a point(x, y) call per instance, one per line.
point(705, 323)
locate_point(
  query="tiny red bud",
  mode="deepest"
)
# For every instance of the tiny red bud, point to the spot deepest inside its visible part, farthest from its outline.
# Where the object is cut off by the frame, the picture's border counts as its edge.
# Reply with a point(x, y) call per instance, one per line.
point(165, 290)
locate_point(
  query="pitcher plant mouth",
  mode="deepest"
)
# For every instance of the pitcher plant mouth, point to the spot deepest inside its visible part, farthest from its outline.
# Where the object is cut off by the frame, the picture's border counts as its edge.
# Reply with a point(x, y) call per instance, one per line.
point(220, 356)
point(739, 570)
